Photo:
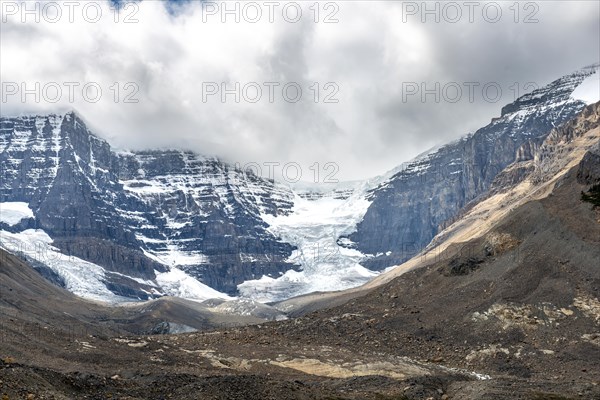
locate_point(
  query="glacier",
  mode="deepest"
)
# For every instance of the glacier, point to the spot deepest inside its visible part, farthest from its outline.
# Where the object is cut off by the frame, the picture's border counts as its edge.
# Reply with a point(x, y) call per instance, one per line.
point(88, 280)
point(315, 225)
point(12, 213)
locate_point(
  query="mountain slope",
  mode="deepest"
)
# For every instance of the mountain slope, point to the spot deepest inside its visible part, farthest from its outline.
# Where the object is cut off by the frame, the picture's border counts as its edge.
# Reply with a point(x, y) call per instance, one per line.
point(413, 206)
point(28, 298)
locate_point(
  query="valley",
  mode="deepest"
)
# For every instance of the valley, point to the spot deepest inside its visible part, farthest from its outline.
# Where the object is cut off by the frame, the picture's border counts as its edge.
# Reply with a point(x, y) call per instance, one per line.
point(503, 304)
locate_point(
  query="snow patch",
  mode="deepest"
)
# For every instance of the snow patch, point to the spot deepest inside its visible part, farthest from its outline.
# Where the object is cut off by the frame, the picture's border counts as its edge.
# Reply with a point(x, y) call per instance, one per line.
point(173, 255)
point(179, 284)
point(12, 213)
point(589, 90)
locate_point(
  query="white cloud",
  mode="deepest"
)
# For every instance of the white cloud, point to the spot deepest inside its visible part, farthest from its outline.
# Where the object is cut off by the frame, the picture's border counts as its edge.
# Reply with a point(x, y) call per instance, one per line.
point(368, 54)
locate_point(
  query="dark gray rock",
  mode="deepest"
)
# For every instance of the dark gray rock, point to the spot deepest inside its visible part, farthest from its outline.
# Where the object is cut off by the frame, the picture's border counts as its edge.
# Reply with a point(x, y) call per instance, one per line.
point(588, 172)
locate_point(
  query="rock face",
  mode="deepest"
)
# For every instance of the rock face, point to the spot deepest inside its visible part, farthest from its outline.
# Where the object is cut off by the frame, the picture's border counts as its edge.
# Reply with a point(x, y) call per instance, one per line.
point(409, 209)
point(137, 213)
point(538, 162)
point(589, 168)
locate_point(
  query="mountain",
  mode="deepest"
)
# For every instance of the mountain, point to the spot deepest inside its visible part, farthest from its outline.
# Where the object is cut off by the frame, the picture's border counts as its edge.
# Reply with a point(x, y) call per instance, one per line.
point(502, 305)
point(408, 210)
point(116, 225)
point(139, 214)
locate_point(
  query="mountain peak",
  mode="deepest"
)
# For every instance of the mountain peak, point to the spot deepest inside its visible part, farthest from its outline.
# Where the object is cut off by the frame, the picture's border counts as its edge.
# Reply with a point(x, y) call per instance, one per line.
point(556, 92)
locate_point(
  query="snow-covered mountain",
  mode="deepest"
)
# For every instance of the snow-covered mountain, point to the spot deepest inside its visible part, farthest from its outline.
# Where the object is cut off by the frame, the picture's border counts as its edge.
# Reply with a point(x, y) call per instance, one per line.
point(140, 215)
point(114, 225)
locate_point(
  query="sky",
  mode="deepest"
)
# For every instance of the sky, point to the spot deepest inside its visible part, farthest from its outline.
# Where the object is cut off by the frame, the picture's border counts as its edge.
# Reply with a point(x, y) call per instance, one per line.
point(348, 89)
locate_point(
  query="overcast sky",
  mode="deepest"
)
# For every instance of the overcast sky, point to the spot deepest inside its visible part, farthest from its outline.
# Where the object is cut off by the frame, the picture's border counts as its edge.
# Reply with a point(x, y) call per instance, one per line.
point(371, 61)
